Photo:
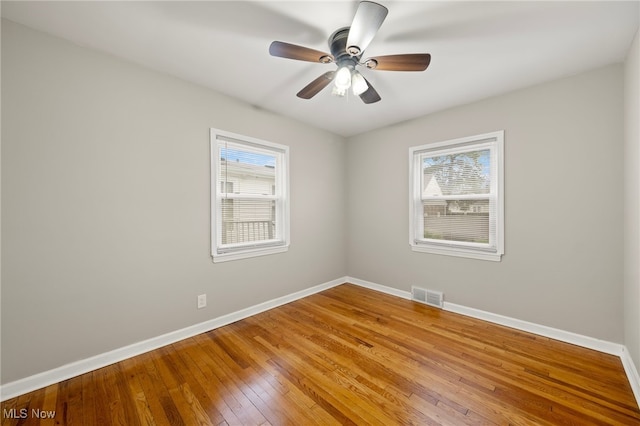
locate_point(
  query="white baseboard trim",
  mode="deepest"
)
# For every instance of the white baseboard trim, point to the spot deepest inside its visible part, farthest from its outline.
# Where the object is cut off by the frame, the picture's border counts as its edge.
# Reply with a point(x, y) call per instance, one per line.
point(632, 373)
point(379, 287)
point(46, 378)
point(541, 330)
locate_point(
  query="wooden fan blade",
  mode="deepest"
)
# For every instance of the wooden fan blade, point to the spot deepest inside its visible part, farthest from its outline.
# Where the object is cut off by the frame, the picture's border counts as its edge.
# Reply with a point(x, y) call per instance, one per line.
point(313, 88)
point(366, 22)
point(408, 62)
point(300, 53)
point(370, 95)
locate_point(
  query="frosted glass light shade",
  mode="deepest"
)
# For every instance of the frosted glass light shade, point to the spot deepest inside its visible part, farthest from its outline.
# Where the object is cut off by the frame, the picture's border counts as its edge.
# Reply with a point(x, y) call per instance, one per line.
point(343, 78)
point(358, 84)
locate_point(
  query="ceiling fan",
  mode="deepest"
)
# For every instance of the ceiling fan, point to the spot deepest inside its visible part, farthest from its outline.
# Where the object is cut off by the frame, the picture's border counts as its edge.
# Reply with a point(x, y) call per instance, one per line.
point(347, 46)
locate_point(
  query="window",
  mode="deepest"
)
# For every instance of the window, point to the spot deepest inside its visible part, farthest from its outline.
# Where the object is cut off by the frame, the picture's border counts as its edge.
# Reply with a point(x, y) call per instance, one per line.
point(456, 197)
point(249, 197)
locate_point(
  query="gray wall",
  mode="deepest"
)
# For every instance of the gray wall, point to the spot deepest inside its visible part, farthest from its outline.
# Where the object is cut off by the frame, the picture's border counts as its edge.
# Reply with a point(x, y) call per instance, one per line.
point(563, 232)
point(105, 204)
point(632, 203)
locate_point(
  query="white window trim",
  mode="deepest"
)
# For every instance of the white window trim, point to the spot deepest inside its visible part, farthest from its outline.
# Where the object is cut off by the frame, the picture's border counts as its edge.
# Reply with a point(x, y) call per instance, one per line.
point(221, 254)
point(451, 248)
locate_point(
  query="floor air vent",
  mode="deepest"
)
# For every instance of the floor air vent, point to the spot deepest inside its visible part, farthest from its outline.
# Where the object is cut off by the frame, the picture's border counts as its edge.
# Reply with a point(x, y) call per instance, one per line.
point(430, 297)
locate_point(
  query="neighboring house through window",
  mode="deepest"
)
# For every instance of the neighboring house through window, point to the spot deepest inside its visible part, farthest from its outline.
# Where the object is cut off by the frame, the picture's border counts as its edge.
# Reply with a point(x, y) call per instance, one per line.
point(456, 197)
point(250, 197)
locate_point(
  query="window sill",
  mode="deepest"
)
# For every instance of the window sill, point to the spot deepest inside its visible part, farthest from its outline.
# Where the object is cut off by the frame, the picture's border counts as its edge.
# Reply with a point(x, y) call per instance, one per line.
point(245, 254)
point(458, 252)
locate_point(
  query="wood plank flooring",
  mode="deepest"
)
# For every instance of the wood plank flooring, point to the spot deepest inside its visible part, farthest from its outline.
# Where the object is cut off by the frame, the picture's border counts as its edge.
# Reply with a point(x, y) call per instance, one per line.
point(346, 356)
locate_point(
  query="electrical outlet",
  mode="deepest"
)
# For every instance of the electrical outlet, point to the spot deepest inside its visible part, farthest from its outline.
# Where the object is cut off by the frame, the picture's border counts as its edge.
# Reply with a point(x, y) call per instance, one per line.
point(202, 301)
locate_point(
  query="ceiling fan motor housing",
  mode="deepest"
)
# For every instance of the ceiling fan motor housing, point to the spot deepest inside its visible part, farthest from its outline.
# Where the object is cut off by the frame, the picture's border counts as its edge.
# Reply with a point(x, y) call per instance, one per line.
point(338, 48)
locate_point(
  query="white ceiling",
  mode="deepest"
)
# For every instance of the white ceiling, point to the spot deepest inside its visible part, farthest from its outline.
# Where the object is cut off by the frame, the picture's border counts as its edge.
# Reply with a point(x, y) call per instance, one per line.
point(478, 49)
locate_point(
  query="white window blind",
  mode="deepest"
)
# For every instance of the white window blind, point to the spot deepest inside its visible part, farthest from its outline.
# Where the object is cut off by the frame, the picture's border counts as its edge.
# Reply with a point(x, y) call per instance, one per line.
point(250, 201)
point(456, 197)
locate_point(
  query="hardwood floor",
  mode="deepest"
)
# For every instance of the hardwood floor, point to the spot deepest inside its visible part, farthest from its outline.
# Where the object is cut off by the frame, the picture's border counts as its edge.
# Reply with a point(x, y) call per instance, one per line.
point(346, 356)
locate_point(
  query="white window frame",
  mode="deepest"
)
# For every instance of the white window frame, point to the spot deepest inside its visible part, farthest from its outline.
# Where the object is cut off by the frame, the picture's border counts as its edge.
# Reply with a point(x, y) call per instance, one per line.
point(492, 251)
point(226, 252)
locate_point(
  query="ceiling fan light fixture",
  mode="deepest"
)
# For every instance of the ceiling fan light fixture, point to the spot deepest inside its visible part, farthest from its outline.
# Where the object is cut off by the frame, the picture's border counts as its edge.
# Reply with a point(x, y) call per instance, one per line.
point(358, 83)
point(338, 92)
point(343, 78)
